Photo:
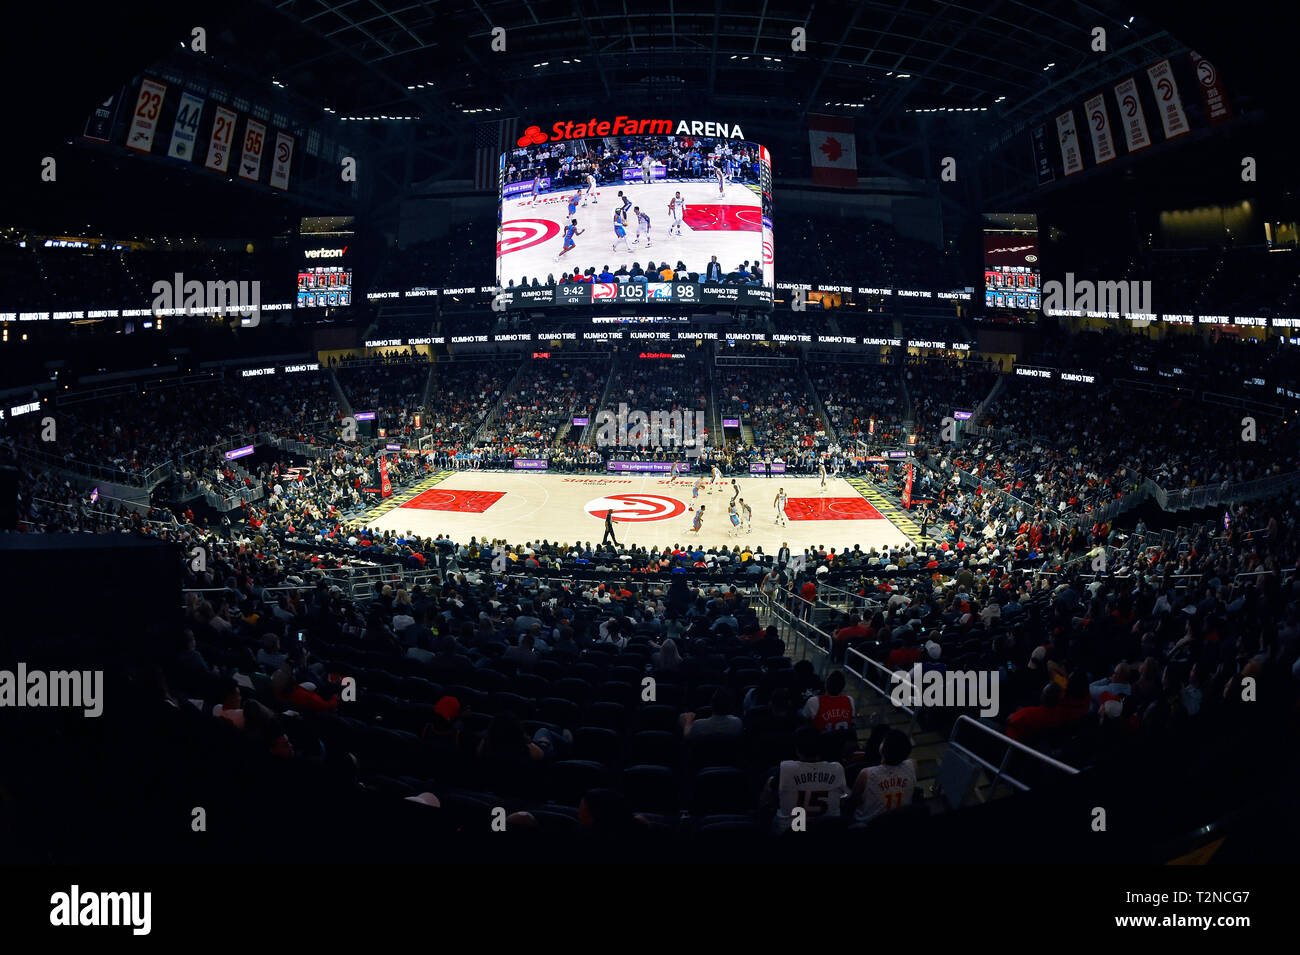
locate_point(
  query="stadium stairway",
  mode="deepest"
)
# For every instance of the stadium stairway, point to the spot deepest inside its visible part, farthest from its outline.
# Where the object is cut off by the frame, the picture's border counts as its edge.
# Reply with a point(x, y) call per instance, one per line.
point(818, 406)
point(345, 406)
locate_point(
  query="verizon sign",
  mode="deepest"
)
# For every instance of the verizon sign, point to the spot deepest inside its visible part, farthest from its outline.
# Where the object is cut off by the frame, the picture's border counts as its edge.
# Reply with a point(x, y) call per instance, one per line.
point(325, 253)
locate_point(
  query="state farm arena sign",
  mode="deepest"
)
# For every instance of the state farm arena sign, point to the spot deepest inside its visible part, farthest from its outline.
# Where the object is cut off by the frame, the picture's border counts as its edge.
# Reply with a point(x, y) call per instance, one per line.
point(628, 126)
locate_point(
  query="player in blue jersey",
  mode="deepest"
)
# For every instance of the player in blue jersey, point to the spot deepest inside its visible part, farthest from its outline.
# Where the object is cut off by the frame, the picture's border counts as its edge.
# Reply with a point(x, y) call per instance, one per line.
point(537, 187)
point(570, 231)
point(620, 231)
point(642, 225)
point(698, 521)
point(573, 202)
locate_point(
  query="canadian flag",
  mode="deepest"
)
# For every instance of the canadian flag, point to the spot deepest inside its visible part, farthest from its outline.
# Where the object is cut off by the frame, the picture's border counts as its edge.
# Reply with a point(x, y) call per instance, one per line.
point(834, 155)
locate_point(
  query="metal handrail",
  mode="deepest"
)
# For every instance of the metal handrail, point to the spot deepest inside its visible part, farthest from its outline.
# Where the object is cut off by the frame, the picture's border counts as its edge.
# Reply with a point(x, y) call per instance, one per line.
point(1000, 771)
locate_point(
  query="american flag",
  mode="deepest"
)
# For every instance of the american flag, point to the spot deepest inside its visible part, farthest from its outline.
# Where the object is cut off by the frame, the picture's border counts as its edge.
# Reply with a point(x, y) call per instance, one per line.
point(490, 141)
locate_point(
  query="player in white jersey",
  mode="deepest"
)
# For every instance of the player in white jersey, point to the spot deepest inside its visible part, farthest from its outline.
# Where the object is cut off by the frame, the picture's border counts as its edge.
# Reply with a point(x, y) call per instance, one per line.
point(717, 479)
point(591, 190)
point(807, 782)
point(879, 789)
point(676, 209)
point(721, 178)
point(779, 504)
point(746, 515)
point(642, 225)
point(821, 471)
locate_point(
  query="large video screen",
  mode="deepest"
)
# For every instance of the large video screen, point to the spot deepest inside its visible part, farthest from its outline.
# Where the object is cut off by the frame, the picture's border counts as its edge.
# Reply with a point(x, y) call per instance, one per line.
point(664, 219)
point(1012, 277)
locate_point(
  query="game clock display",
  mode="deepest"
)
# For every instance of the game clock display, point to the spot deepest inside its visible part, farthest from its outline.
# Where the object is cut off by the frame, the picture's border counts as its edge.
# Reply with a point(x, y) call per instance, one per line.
point(324, 287)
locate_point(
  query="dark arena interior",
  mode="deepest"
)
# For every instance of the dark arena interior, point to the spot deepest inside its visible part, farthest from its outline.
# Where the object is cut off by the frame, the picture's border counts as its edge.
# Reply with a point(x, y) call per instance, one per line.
point(912, 481)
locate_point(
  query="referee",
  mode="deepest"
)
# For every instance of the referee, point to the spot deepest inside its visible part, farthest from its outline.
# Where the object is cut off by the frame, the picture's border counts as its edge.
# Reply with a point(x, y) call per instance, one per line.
point(609, 528)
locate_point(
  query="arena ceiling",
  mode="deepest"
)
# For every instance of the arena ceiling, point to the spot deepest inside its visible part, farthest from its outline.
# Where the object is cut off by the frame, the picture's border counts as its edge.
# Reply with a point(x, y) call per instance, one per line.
point(434, 58)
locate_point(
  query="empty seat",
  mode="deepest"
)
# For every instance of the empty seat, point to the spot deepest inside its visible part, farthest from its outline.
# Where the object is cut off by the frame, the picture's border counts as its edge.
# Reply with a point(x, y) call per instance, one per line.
point(650, 789)
point(598, 744)
point(571, 778)
point(720, 789)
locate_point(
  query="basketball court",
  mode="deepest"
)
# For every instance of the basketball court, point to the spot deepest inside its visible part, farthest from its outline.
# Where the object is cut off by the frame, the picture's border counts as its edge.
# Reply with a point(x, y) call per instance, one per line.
point(648, 510)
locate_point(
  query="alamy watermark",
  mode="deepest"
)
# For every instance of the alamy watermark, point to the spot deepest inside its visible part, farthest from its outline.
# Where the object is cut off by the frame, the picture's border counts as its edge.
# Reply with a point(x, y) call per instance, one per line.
point(176, 296)
point(656, 429)
point(946, 688)
point(75, 689)
point(1129, 299)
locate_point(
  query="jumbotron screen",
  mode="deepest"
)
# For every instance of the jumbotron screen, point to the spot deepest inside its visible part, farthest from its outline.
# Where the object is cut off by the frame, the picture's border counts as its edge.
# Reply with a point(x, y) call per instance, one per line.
point(1012, 278)
point(664, 219)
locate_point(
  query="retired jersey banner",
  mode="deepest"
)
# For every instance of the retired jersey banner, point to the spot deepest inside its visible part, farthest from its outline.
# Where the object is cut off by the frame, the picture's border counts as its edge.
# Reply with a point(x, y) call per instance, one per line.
point(144, 122)
point(1103, 144)
point(1068, 136)
point(1136, 135)
point(385, 485)
point(223, 131)
point(1170, 103)
point(1207, 78)
point(280, 160)
point(1042, 160)
point(100, 124)
point(250, 160)
point(907, 488)
point(185, 132)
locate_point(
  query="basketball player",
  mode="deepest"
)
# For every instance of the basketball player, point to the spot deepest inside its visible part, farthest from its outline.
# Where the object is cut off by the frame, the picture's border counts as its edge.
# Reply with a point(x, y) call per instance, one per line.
point(673, 471)
point(735, 519)
point(537, 188)
point(624, 203)
point(620, 232)
point(642, 225)
point(717, 478)
point(821, 471)
point(807, 782)
point(779, 504)
point(695, 491)
point(570, 231)
point(698, 521)
point(735, 491)
point(676, 209)
point(747, 515)
point(721, 177)
point(879, 789)
point(573, 203)
point(591, 189)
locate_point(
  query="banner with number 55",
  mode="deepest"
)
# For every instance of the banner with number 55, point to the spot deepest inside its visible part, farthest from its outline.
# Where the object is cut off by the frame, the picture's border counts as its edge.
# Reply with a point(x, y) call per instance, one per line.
point(250, 162)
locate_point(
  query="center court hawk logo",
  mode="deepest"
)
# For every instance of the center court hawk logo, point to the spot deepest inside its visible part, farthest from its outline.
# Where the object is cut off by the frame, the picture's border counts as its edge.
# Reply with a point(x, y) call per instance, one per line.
point(635, 508)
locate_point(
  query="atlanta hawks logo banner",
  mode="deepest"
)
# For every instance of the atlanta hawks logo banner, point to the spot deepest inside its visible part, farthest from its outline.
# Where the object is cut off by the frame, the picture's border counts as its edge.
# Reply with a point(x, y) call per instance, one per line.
point(1136, 135)
point(1172, 116)
point(385, 485)
point(1103, 146)
point(280, 161)
point(144, 123)
point(250, 162)
point(1207, 78)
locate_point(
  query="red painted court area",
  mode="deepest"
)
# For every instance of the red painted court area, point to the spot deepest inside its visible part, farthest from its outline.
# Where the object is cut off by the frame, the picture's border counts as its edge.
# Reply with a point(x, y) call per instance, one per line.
point(831, 509)
point(464, 502)
point(706, 217)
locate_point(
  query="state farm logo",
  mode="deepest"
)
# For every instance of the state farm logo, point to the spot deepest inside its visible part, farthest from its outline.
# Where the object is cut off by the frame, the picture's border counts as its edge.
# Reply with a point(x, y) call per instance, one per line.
point(626, 126)
point(602, 290)
point(635, 508)
point(532, 135)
